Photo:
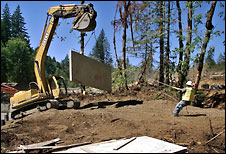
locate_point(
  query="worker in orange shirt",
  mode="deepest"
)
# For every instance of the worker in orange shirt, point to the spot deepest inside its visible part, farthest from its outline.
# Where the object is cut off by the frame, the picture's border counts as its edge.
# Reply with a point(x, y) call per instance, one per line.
point(187, 97)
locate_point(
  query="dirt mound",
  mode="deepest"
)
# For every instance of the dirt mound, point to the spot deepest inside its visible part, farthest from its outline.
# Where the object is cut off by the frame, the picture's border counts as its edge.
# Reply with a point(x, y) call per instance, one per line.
point(120, 115)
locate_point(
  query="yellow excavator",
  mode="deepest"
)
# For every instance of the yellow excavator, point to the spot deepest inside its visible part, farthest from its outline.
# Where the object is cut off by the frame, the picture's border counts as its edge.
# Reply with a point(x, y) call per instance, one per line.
point(52, 92)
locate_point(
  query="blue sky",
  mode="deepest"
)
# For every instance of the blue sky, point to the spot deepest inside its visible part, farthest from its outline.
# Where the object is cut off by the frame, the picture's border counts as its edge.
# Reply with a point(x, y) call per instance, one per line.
point(34, 13)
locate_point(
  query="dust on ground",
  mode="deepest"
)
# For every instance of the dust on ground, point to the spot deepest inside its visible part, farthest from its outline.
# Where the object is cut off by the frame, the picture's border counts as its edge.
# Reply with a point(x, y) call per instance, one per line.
point(121, 115)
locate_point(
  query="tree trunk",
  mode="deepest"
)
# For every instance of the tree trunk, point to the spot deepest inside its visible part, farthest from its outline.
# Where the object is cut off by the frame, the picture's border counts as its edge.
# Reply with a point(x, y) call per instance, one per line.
point(116, 56)
point(131, 25)
point(161, 70)
point(83, 88)
point(209, 28)
point(181, 46)
point(168, 46)
point(82, 43)
point(125, 15)
point(185, 68)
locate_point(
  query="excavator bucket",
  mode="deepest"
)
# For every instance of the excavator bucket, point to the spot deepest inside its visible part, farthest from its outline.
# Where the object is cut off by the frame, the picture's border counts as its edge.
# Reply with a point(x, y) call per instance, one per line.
point(84, 23)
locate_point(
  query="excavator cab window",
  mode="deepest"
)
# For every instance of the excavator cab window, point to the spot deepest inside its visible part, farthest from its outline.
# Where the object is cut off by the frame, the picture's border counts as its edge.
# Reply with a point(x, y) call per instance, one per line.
point(61, 85)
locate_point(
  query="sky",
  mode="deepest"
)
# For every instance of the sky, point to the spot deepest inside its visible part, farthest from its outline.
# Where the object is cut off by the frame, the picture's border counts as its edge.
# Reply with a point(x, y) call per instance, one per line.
point(34, 13)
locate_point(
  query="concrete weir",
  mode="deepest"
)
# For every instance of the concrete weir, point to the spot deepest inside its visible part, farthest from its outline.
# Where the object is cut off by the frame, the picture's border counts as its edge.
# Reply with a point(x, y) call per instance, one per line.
point(89, 72)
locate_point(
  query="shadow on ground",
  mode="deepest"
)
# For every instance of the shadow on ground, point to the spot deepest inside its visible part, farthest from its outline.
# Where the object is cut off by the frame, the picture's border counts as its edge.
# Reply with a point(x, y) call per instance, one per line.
point(194, 115)
point(117, 104)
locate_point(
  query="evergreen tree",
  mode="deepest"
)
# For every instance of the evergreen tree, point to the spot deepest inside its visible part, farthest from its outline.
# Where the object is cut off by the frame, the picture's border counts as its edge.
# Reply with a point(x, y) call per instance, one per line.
point(101, 50)
point(4, 67)
point(5, 25)
point(50, 66)
point(209, 58)
point(18, 25)
point(65, 66)
point(221, 58)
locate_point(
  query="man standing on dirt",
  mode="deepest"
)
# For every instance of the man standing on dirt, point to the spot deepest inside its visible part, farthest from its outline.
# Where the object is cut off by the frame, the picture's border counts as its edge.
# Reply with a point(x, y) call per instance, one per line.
point(187, 97)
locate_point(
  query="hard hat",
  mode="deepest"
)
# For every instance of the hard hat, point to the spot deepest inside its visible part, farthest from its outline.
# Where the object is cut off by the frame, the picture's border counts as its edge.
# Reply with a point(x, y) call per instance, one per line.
point(189, 83)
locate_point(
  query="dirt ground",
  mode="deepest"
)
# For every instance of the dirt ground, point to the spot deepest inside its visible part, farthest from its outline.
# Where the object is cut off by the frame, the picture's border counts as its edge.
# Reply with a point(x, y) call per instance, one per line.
point(106, 116)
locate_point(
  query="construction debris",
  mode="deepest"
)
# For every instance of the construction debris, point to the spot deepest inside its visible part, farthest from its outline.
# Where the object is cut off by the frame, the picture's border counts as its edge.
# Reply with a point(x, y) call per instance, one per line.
point(143, 144)
point(46, 146)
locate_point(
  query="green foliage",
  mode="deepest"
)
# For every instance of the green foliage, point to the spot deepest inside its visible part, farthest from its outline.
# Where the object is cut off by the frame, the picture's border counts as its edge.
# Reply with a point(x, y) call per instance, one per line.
point(221, 58)
point(4, 64)
point(132, 76)
point(18, 25)
point(17, 55)
point(17, 61)
point(52, 67)
point(5, 25)
point(101, 50)
point(209, 58)
point(117, 79)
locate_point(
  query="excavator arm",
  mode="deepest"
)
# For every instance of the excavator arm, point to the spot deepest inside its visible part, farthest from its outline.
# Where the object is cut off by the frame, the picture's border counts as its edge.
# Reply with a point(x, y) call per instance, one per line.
point(84, 21)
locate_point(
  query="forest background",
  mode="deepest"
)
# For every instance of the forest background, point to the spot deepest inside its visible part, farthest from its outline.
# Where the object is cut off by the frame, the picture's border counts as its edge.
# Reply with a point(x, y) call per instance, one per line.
point(141, 30)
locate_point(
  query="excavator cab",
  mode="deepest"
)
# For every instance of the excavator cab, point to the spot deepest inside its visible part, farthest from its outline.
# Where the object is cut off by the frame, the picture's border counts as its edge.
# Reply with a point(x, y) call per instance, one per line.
point(57, 87)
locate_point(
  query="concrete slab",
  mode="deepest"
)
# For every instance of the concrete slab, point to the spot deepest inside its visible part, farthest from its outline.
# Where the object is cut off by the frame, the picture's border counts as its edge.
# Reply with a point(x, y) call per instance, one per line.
point(143, 144)
point(89, 72)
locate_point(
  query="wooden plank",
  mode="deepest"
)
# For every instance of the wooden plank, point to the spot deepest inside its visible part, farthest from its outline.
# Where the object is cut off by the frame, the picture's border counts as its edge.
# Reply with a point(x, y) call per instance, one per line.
point(122, 145)
point(51, 148)
point(21, 151)
point(69, 146)
point(39, 144)
point(215, 137)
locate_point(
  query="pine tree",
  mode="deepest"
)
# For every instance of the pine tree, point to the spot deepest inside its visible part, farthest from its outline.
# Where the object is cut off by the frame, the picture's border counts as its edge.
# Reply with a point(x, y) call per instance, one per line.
point(18, 25)
point(221, 58)
point(5, 25)
point(209, 58)
point(101, 50)
point(4, 63)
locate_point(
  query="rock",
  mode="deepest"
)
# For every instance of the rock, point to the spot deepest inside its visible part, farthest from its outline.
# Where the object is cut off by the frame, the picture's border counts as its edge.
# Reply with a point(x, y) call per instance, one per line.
point(205, 86)
point(215, 86)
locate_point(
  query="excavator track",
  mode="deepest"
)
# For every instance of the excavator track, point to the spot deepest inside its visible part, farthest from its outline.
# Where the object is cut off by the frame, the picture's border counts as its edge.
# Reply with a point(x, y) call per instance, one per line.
point(43, 106)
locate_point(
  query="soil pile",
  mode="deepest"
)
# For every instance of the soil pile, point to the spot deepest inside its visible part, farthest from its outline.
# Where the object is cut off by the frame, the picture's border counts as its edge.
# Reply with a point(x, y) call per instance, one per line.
point(108, 116)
